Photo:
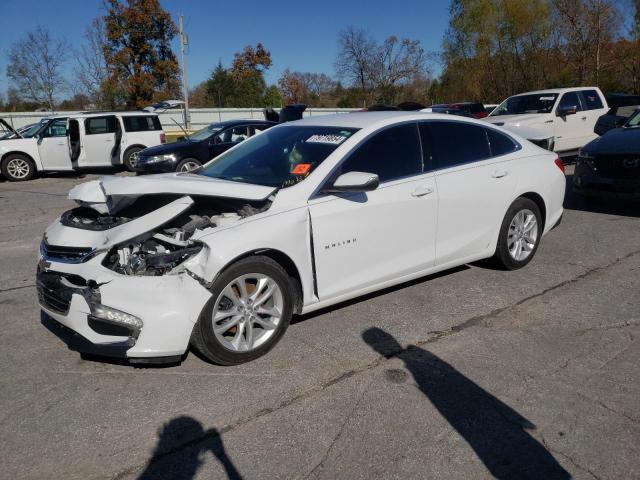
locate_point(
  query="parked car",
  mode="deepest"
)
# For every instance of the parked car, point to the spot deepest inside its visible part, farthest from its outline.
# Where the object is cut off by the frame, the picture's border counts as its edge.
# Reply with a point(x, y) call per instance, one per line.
point(567, 114)
point(447, 110)
point(473, 109)
point(80, 141)
point(621, 108)
point(303, 216)
point(610, 164)
point(164, 105)
point(195, 150)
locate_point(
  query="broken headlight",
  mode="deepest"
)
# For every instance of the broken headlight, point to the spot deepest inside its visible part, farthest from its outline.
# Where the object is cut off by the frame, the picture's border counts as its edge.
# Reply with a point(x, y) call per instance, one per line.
point(151, 257)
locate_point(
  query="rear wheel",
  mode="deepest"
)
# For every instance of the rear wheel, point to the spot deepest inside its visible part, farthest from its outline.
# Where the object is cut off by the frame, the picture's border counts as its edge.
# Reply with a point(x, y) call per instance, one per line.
point(249, 310)
point(188, 164)
point(519, 235)
point(18, 168)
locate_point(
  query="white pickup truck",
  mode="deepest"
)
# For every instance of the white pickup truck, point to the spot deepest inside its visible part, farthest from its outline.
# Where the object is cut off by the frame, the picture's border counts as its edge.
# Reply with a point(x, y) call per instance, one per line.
point(566, 116)
point(80, 141)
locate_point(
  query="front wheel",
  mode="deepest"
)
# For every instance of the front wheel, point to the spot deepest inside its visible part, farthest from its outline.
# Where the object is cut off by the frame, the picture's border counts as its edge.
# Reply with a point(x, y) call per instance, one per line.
point(249, 310)
point(188, 164)
point(519, 235)
point(18, 168)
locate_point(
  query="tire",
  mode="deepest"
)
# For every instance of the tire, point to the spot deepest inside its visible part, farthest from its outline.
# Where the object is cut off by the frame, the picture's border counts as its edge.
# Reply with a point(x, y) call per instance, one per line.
point(188, 164)
point(518, 239)
point(245, 338)
point(18, 168)
point(126, 159)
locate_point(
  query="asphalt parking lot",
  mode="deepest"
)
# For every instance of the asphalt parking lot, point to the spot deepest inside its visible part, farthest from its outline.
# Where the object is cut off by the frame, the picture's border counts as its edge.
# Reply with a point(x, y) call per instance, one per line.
point(473, 373)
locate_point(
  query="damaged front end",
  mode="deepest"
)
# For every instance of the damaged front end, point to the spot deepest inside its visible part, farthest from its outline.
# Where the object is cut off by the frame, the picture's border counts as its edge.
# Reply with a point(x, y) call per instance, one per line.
point(114, 271)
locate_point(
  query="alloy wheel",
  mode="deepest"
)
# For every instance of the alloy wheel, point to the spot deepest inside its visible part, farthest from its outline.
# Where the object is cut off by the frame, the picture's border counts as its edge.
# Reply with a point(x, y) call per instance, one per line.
point(247, 312)
point(522, 235)
point(18, 168)
point(188, 166)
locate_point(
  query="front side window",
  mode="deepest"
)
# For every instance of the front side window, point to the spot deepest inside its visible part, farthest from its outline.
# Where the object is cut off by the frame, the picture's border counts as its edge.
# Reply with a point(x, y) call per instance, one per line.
point(526, 104)
point(232, 135)
point(99, 125)
point(391, 154)
point(591, 100)
point(569, 100)
point(280, 157)
point(57, 128)
point(456, 143)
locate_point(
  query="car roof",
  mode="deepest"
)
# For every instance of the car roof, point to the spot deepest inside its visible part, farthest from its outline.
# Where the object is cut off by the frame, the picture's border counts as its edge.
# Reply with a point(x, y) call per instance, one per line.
point(246, 121)
point(555, 90)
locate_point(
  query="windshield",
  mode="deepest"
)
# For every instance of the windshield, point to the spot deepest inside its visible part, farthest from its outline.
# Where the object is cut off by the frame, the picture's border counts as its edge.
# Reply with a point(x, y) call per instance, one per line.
point(205, 133)
point(634, 120)
point(279, 157)
point(32, 130)
point(521, 104)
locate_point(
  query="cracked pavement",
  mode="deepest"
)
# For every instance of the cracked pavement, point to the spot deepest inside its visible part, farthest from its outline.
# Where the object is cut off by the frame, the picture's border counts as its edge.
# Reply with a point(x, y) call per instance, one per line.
point(472, 373)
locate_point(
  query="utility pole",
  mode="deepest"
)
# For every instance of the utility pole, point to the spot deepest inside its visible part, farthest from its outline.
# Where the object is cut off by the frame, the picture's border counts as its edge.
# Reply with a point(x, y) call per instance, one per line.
point(185, 85)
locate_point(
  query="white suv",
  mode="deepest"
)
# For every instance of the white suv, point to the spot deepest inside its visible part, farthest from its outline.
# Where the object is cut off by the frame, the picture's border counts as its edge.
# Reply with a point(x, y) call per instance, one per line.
point(568, 115)
point(80, 141)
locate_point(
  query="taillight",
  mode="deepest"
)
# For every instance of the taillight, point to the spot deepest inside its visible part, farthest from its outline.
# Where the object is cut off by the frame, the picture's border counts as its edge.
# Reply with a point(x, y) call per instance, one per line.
point(163, 138)
point(559, 164)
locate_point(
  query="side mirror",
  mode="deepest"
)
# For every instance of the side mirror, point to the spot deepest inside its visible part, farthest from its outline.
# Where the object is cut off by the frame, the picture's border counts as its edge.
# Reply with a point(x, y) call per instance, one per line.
point(564, 111)
point(355, 182)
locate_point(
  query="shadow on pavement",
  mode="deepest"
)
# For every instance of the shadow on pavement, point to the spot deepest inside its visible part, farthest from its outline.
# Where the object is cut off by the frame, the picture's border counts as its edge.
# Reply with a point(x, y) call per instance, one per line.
point(495, 432)
point(169, 462)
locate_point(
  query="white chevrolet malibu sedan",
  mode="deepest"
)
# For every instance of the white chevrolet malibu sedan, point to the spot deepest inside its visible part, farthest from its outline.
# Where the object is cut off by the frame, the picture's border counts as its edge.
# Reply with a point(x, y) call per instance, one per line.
point(306, 215)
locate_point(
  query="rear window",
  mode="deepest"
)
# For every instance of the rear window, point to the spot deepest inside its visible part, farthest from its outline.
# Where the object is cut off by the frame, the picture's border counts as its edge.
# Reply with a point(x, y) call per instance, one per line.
point(591, 100)
point(142, 123)
point(627, 111)
point(477, 108)
point(98, 125)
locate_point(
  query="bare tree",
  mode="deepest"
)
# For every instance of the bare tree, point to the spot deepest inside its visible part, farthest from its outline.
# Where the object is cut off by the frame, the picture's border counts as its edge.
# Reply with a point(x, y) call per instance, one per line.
point(397, 61)
point(91, 67)
point(356, 57)
point(35, 66)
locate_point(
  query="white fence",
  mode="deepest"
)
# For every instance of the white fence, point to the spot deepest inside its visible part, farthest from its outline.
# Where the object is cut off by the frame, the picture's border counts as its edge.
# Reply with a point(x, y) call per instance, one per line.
point(172, 119)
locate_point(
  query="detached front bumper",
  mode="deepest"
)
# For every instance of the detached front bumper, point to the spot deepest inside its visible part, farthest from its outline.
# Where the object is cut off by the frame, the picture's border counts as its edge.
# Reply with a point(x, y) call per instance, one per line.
point(147, 317)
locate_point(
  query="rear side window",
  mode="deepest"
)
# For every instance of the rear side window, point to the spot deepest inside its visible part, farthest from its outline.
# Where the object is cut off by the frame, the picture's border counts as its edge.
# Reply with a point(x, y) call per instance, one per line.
point(391, 154)
point(591, 100)
point(98, 125)
point(141, 124)
point(455, 143)
point(500, 143)
point(570, 99)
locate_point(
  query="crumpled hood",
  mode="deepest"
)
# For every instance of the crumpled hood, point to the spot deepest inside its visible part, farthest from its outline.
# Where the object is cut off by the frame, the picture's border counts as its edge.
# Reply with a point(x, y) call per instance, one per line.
point(111, 193)
point(527, 132)
point(531, 127)
point(524, 119)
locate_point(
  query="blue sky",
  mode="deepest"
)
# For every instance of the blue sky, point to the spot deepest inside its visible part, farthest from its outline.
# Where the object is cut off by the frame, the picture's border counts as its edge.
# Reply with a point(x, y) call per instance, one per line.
point(301, 35)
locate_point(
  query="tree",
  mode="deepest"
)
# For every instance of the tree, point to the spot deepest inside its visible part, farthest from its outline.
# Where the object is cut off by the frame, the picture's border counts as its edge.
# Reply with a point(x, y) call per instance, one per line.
point(138, 53)
point(91, 68)
point(250, 61)
point(356, 56)
point(291, 87)
point(35, 66)
point(219, 87)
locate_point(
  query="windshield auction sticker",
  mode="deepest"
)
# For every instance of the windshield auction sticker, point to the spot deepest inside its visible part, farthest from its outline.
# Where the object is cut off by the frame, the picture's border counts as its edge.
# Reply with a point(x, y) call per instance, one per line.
point(332, 139)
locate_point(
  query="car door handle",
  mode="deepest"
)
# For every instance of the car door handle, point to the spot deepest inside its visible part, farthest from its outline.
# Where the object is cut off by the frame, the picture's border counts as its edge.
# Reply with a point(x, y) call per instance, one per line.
point(548, 121)
point(499, 174)
point(584, 118)
point(109, 140)
point(422, 191)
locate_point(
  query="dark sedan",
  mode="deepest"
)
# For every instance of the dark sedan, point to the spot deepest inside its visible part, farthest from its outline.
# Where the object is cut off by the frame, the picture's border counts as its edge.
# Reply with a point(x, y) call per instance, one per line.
point(195, 150)
point(610, 164)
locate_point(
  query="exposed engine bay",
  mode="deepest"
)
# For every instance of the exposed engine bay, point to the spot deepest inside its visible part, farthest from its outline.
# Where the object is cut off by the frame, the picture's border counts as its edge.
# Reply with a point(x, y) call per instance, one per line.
point(161, 250)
